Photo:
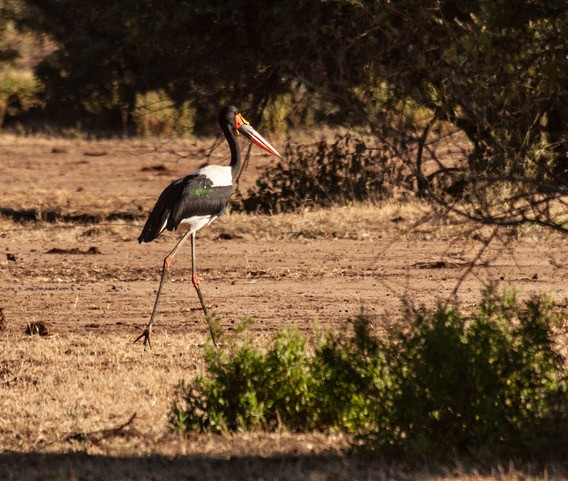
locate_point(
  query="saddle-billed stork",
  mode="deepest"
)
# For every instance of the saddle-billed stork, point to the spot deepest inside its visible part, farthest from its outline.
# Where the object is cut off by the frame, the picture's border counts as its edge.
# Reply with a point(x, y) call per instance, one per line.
point(197, 200)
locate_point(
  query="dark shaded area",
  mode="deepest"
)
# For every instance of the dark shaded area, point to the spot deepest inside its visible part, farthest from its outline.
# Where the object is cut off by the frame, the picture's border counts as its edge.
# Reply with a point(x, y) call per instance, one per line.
point(40, 466)
point(76, 251)
point(36, 328)
point(34, 215)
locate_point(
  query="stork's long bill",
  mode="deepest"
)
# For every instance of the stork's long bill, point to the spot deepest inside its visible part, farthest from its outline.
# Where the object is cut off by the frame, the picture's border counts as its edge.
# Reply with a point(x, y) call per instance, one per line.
point(245, 128)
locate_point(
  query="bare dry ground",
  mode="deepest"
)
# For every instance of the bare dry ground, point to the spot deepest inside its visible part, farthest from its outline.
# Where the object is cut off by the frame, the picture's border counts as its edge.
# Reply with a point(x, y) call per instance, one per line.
point(84, 402)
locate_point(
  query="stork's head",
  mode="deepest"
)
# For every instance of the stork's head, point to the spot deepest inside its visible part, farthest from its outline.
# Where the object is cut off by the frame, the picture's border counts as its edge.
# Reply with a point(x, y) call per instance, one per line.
point(231, 117)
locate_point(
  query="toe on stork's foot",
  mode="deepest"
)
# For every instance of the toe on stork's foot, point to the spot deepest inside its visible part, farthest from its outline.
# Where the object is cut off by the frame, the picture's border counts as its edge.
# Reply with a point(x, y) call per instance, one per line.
point(146, 336)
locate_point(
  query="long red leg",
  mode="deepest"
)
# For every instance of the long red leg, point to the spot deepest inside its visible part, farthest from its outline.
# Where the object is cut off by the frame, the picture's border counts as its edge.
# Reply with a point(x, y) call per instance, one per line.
point(196, 284)
point(166, 267)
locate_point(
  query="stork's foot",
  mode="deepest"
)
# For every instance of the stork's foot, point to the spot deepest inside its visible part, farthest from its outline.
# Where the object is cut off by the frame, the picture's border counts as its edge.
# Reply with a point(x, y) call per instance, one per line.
point(146, 336)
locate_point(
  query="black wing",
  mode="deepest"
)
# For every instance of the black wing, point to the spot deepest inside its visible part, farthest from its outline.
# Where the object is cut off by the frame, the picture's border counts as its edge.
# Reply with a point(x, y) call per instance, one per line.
point(190, 196)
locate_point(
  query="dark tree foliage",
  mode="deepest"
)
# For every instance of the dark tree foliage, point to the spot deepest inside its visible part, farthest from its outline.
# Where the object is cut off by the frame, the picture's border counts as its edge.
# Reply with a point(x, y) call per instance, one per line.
point(7, 53)
point(494, 70)
point(112, 50)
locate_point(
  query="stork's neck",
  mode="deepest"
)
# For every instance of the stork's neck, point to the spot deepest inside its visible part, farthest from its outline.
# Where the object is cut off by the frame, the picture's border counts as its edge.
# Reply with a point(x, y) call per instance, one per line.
point(235, 150)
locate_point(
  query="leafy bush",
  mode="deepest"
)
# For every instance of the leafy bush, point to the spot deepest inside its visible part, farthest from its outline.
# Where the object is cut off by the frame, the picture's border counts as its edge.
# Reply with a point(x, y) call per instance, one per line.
point(325, 174)
point(488, 385)
point(286, 387)
point(353, 380)
point(247, 390)
point(483, 386)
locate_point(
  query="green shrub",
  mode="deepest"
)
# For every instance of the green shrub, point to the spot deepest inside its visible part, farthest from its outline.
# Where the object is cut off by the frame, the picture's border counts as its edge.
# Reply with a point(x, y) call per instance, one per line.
point(353, 381)
point(247, 389)
point(296, 108)
point(483, 386)
point(492, 384)
point(286, 387)
point(276, 114)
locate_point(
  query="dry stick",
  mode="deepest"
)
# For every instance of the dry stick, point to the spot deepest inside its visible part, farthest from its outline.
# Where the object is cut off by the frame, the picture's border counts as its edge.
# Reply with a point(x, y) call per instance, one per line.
point(472, 264)
point(100, 434)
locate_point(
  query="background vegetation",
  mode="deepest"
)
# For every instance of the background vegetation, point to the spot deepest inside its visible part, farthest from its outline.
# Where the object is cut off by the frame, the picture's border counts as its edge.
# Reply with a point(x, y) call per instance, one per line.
point(483, 80)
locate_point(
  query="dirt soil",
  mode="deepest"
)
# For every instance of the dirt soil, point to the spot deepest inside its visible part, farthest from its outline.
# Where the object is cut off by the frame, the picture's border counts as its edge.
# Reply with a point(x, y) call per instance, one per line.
point(70, 214)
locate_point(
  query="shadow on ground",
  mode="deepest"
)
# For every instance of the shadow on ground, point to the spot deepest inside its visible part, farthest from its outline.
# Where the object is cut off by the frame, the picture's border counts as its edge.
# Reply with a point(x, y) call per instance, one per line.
point(78, 466)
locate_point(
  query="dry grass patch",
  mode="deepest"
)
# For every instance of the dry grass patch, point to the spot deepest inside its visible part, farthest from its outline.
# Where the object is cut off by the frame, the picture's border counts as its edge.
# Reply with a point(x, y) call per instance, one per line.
point(116, 218)
point(352, 222)
point(57, 387)
point(358, 222)
point(53, 205)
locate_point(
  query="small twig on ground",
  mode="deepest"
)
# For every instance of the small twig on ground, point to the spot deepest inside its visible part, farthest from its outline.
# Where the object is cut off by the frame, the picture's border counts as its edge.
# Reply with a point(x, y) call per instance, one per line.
point(97, 436)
